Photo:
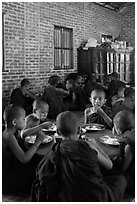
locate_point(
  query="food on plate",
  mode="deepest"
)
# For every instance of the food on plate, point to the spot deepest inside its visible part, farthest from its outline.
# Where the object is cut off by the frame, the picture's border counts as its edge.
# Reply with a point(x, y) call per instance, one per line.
point(31, 139)
point(52, 128)
point(84, 137)
point(47, 139)
point(109, 140)
point(94, 127)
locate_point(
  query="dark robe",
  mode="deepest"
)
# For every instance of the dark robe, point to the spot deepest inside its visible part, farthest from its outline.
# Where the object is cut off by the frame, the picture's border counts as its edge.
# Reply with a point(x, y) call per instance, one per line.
point(90, 86)
point(113, 87)
point(130, 172)
point(16, 176)
point(19, 99)
point(81, 98)
point(96, 118)
point(55, 100)
point(70, 173)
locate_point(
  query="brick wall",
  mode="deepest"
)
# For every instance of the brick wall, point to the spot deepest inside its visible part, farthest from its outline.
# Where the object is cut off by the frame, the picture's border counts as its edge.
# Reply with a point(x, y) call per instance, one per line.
point(128, 25)
point(29, 42)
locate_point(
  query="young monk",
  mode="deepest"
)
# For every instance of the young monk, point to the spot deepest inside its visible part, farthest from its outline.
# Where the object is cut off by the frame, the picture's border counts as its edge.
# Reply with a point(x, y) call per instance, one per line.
point(35, 121)
point(22, 96)
point(127, 104)
point(54, 97)
point(99, 112)
point(71, 173)
point(124, 123)
point(18, 167)
point(119, 96)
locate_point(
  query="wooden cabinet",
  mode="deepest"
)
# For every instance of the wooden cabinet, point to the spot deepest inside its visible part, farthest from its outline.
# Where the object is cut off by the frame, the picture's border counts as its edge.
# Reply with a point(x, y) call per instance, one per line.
point(105, 61)
point(122, 62)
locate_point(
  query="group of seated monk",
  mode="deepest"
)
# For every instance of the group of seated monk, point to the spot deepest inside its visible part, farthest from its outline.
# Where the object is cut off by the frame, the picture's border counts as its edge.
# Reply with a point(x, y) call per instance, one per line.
point(74, 94)
point(72, 171)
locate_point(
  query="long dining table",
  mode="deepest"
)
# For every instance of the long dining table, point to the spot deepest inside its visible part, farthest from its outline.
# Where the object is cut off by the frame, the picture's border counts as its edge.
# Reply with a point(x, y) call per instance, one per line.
point(111, 150)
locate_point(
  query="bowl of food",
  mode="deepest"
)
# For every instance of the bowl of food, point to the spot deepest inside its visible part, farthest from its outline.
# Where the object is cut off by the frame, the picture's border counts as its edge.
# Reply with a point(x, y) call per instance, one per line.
point(32, 139)
point(53, 128)
point(94, 127)
point(106, 139)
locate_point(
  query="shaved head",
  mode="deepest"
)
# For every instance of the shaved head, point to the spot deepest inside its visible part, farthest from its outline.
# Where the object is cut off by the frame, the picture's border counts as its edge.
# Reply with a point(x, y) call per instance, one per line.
point(67, 123)
point(124, 120)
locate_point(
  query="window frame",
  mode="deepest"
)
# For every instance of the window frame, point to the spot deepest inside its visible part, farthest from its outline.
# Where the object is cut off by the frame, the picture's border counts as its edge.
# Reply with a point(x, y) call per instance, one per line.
point(122, 63)
point(62, 48)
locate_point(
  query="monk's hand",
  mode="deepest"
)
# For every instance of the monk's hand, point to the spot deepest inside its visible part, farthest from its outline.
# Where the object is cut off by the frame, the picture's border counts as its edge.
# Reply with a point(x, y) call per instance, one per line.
point(47, 125)
point(90, 111)
point(100, 111)
point(92, 143)
point(94, 109)
point(40, 136)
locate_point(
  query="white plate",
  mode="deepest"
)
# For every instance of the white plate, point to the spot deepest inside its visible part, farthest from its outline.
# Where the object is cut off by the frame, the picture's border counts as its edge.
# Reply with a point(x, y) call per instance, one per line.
point(94, 127)
point(31, 139)
point(109, 140)
point(53, 128)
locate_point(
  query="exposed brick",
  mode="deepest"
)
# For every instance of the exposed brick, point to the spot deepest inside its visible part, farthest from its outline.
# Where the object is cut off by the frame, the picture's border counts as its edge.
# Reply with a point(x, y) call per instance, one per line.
point(128, 25)
point(29, 36)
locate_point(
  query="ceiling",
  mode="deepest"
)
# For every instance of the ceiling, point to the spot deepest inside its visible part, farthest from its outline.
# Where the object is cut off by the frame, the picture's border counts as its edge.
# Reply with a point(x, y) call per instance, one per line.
point(115, 6)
